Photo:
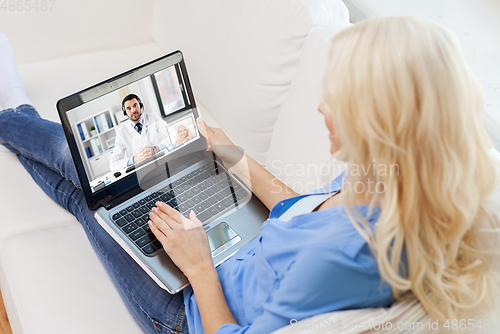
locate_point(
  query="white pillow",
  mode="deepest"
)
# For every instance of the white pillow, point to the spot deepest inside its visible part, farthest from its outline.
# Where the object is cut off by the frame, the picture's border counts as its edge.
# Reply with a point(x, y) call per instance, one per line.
point(404, 316)
point(242, 56)
point(300, 144)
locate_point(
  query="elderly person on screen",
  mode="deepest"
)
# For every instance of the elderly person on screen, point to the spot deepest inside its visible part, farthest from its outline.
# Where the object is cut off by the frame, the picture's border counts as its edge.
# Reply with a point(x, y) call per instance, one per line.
point(184, 133)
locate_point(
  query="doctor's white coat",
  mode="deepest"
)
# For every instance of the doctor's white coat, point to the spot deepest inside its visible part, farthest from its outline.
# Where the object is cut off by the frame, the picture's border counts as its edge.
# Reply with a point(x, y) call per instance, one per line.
point(129, 142)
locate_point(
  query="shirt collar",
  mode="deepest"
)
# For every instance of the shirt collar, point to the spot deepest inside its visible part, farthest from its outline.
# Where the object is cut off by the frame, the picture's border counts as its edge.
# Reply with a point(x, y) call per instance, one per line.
point(283, 205)
point(141, 121)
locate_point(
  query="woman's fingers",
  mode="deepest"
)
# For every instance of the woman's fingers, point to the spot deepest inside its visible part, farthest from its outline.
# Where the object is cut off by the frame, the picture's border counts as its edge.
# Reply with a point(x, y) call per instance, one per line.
point(194, 219)
point(162, 224)
point(192, 222)
point(161, 214)
point(173, 218)
point(160, 235)
point(206, 131)
point(202, 126)
point(168, 215)
point(203, 130)
point(170, 212)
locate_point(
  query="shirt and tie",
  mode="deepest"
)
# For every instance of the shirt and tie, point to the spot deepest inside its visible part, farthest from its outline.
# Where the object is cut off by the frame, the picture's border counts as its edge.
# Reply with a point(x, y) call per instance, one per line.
point(151, 130)
point(138, 128)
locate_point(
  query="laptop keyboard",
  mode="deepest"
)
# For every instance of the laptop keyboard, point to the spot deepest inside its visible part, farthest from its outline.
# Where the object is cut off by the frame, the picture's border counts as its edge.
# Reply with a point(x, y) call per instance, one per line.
point(208, 191)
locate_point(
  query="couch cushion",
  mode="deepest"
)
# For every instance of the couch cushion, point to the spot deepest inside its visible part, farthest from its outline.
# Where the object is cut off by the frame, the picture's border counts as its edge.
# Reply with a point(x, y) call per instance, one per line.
point(17, 186)
point(52, 282)
point(242, 56)
point(66, 28)
point(300, 143)
point(48, 81)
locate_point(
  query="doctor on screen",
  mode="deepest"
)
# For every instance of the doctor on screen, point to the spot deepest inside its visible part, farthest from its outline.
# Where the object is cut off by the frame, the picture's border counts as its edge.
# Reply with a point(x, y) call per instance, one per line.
point(140, 137)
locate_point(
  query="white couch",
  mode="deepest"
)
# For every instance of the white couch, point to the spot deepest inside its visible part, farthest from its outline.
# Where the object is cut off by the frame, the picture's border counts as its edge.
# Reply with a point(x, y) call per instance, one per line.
point(256, 68)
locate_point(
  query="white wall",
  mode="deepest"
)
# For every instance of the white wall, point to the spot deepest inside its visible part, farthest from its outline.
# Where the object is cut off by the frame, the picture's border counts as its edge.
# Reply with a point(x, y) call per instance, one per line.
point(142, 88)
point(477, 25)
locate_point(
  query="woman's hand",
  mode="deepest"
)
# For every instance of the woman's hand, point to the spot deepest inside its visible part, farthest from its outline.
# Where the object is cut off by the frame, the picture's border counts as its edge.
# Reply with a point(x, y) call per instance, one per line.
point(268, 188)
point(219, 143)
point(184, 240)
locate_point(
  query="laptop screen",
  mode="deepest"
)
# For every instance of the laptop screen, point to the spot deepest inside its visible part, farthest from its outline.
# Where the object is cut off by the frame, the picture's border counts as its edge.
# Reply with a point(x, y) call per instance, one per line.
point(120, 127)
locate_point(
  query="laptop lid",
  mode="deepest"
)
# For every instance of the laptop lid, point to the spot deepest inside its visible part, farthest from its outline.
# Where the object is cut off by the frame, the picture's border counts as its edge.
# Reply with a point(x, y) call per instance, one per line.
point(97, 128)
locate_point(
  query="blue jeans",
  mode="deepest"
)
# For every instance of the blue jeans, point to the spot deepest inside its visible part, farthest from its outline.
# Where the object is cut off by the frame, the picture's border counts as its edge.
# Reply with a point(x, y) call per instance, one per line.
point(41, 147)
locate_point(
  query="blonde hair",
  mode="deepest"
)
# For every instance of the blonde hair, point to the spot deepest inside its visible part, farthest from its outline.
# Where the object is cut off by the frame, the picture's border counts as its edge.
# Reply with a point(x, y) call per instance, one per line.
point(180, 140)
point(400, 92)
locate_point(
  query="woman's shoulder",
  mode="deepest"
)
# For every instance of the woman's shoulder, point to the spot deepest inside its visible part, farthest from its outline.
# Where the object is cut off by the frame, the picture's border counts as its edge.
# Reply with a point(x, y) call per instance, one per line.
point(338, 236)
point(317, 260)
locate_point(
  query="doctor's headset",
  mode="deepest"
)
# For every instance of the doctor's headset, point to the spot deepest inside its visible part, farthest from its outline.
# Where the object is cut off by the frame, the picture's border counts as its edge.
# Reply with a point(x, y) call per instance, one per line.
point(131, 97)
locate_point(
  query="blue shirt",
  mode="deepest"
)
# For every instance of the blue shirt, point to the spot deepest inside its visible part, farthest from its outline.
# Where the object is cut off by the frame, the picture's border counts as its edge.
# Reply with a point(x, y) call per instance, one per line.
point(314, 263)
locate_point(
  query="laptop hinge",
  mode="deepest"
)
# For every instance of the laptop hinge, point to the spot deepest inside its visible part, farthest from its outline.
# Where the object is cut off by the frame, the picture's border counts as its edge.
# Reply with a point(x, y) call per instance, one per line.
point(106, 205)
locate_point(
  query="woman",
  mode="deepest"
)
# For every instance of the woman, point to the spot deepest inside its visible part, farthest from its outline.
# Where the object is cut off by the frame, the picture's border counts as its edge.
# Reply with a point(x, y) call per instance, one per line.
point(184, 133)
point(397, 92)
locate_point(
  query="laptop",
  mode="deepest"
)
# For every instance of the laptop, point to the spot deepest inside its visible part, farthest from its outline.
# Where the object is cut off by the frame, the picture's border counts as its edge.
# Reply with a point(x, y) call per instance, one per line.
point(181, 172)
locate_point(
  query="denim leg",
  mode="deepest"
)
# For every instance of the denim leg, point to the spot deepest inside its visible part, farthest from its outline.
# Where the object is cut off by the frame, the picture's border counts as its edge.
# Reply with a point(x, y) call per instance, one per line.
point(42, 149)
point(22, 131)
point(153, 308)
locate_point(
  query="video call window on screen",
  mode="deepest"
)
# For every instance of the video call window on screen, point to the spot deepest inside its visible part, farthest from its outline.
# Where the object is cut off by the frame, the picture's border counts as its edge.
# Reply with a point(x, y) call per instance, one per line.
point(112, 144)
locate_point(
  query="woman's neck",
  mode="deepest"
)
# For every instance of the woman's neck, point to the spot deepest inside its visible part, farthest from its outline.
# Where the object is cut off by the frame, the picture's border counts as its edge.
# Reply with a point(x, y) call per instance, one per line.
point(362, 198)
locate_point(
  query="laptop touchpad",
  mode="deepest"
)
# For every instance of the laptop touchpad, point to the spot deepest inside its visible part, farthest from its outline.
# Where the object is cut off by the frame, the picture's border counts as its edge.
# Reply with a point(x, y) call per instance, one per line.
point(221, 237)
